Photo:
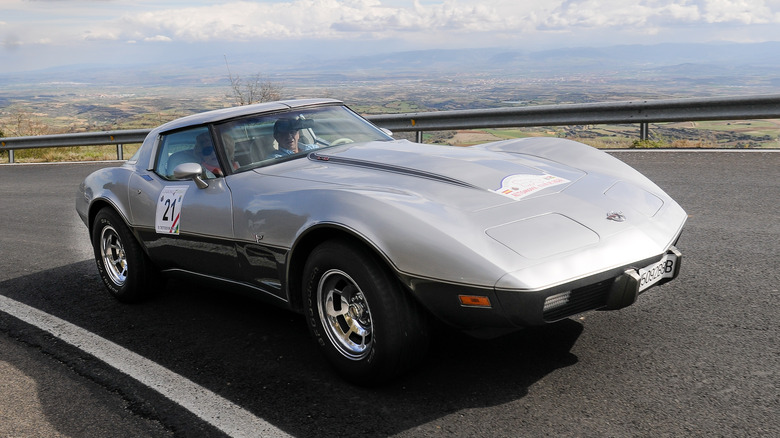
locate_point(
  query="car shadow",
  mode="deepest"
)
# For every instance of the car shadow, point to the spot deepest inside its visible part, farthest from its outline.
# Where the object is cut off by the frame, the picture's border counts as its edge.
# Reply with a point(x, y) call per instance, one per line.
point(262, 358)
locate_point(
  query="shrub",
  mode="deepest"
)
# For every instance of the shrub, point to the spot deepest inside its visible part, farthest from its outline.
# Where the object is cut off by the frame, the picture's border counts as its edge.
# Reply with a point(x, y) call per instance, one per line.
point(649, 144)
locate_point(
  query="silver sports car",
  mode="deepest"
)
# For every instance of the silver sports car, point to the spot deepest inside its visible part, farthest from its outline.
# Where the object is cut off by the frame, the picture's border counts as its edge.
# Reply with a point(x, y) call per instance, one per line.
point(308, 205)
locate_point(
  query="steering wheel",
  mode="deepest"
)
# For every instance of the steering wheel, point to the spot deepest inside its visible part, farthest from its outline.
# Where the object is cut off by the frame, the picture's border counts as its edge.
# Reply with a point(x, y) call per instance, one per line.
point(342, 140)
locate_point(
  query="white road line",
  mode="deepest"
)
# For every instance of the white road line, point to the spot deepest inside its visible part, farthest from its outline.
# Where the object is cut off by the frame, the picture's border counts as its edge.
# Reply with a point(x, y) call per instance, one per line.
point(210, 407)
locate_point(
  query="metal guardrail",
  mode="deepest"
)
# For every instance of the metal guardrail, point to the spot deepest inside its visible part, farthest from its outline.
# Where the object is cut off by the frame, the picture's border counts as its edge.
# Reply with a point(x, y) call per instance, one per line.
point(642, 112)
point(102, 138)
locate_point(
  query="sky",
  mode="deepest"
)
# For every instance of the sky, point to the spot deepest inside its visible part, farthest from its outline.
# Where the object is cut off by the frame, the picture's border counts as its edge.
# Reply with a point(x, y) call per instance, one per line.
point(39, 34)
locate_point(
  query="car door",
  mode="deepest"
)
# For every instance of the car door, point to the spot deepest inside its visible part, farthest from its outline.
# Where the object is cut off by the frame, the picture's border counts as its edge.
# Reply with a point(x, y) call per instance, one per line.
point(261, 257)
point(183, 226)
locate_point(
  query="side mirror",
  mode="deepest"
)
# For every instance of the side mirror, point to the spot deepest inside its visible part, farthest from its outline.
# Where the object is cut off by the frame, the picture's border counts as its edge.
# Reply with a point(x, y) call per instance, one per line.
point(191, 171)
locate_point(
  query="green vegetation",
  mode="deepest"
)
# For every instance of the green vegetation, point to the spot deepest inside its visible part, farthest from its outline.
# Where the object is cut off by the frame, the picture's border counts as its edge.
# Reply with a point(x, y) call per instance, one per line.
point(649, 144)
point(79, 153)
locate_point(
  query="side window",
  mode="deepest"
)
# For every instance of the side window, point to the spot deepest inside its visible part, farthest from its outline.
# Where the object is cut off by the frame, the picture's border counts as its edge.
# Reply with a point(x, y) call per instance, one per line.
point(247, 142)
point(189, 146)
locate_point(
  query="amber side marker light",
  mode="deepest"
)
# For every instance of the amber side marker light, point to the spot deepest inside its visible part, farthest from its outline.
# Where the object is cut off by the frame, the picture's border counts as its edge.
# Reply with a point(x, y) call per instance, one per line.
point(474, 301)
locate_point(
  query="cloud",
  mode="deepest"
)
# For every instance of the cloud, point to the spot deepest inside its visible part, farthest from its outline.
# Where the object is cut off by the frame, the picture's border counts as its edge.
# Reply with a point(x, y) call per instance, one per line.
point(416, 23)
point(681, 12)
point(316, 19)
point(639, 14)
point(100, 36)
point(11, 42)
point(233, 21)
point(308, 19)
point(158, 39)
point(740, 11)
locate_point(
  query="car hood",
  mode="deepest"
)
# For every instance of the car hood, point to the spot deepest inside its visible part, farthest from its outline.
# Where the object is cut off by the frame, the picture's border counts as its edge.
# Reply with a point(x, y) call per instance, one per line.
point(495, 179)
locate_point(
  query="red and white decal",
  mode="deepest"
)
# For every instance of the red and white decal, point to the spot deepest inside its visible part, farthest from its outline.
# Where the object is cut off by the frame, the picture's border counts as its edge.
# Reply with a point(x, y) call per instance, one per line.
point(521, 185)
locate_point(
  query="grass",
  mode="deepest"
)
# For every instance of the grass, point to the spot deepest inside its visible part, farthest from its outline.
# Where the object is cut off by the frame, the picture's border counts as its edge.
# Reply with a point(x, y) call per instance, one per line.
point(77, 153)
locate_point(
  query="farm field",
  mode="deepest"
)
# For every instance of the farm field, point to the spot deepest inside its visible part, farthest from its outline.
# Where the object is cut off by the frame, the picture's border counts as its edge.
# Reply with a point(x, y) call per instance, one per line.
point(69, 107)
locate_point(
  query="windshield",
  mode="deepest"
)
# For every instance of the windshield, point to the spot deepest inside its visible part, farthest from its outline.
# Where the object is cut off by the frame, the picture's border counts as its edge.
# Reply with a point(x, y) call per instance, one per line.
point(263, 139)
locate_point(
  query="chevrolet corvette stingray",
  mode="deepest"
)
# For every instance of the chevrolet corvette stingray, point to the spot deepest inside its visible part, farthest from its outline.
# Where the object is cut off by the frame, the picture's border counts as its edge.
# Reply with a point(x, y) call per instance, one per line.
point(311, 207)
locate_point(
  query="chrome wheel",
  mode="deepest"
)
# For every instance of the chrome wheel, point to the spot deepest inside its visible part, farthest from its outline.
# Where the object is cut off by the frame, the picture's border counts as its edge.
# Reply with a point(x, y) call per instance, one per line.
point(345, 314)
point(126, 271)
point(366, 324)
point(113, 254)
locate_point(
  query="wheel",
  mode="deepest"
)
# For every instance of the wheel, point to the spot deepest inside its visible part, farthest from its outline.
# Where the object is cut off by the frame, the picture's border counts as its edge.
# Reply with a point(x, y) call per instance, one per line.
point(368, 327)
point(123, 266)
point(342, 140)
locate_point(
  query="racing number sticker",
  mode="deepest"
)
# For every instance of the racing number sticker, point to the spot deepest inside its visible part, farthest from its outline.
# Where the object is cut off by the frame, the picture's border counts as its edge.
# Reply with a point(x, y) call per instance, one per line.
point(521, 185)
point(168, 217)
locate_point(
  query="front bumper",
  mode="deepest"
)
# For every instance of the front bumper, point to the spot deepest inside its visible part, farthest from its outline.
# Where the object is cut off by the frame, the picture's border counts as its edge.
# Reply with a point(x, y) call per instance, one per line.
point(609, 290)
point(627, 287)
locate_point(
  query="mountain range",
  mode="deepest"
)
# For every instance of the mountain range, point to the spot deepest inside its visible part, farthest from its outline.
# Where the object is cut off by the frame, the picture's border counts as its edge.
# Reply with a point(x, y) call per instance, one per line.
point(692, 60)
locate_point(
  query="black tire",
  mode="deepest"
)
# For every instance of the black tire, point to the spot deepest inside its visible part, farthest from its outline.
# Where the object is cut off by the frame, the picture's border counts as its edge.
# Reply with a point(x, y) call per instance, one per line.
point(367, 325)
point(123, 266)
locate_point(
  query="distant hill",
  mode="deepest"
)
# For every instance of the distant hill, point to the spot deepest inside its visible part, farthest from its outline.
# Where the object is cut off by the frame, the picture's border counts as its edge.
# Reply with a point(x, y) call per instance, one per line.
point(690, 61)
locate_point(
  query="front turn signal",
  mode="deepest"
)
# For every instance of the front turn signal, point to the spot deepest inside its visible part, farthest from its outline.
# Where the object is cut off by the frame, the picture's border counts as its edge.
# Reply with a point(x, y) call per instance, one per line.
point(474, 301)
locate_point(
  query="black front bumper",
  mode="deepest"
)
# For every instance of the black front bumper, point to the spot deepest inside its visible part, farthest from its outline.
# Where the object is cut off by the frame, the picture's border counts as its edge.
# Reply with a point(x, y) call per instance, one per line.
point(609, 290)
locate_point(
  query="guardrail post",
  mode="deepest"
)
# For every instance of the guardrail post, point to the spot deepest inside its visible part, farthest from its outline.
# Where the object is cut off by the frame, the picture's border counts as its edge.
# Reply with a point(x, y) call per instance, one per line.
point(418, 136)
point(120, 153)
point(644, 131)
point(10, 155)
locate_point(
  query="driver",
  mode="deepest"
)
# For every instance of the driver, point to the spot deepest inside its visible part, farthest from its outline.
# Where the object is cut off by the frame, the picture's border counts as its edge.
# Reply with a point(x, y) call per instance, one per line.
point(287, 133)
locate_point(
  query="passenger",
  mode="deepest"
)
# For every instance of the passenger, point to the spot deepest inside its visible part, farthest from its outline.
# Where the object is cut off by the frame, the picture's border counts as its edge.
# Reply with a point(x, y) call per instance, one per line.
point(229, 145)
point(287, 134)
point(204, 151)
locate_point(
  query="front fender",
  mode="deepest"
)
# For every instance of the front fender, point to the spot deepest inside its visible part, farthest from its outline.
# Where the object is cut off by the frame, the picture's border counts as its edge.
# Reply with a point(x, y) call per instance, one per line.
point(417, 237)
point(104, 187)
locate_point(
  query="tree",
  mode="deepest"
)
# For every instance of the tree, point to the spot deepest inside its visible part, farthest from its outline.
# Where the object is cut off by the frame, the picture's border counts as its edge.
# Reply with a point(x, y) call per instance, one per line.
point(23, 123)
point(256, 90)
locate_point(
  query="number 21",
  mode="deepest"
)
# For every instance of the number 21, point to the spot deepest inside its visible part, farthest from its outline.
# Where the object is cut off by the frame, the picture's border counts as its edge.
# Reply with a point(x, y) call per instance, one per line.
point(170, 206)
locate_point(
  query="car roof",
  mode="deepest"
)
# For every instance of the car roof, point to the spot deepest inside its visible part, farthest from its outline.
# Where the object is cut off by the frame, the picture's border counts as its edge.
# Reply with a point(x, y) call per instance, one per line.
point(238, 111)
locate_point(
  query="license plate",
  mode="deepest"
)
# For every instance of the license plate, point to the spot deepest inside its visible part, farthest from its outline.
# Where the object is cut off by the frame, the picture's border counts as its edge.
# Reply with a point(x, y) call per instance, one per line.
point(650, 275)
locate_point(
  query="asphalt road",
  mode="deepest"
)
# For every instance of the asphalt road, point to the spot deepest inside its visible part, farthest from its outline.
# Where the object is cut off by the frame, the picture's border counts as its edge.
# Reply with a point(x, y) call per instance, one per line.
point(699, 356)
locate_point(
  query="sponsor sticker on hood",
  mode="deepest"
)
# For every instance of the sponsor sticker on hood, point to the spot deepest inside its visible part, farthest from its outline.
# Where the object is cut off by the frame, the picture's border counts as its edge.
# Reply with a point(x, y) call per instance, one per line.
point(521, 185)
